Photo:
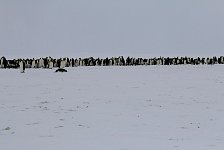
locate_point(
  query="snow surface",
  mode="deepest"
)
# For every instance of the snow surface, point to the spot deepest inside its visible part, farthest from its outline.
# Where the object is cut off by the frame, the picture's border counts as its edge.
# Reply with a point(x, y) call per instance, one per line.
point(113, 108)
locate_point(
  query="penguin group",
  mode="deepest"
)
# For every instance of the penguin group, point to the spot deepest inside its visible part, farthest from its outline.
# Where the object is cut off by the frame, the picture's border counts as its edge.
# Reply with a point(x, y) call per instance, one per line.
point(50, 63)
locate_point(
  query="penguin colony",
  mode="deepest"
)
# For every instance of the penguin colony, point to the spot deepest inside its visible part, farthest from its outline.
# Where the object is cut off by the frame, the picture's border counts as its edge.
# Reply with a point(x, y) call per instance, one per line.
point(50, 63)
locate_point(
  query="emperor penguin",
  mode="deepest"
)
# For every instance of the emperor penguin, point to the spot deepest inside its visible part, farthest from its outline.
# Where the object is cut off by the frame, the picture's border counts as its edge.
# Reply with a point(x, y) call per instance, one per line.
point(51, 64)
point(41, 63)
point(22, 66)
point(185, 61)
point(33, 63)
point(1, 62)
point(222, 59)
point(62, 64)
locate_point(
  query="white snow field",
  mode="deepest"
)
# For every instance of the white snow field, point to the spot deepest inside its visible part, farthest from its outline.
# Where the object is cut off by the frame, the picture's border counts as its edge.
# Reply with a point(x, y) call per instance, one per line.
point(113, 108)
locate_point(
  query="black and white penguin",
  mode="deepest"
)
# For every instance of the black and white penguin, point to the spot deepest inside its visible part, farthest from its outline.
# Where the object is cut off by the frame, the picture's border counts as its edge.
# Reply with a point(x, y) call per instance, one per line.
point(62, 63)
point(22, 66)
point(51, 64)
point(222, 59)
point(33, 63)
point(72, 62)
point(4, 62)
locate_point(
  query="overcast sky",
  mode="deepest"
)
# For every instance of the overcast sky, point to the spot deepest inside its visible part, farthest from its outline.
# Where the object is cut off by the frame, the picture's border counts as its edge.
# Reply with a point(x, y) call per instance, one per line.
point(111, 27)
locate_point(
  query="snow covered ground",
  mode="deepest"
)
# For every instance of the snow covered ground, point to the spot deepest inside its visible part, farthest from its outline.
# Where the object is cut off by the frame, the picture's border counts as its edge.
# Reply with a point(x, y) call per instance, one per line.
point(113, 108)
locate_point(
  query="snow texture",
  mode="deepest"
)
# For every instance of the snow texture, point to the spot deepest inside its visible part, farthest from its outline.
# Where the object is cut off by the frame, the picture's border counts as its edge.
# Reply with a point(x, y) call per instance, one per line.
point(113, 108)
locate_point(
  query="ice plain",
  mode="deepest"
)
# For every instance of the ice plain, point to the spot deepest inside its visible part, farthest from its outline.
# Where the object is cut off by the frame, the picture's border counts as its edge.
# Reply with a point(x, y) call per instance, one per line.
point(113, 108)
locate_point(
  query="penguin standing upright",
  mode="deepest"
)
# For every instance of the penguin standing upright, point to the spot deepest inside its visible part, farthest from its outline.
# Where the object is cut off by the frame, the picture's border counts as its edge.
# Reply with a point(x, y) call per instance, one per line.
point(51, 64)
point(3, 62)
point(33, 63)
point(22, 66)
point(63, 64)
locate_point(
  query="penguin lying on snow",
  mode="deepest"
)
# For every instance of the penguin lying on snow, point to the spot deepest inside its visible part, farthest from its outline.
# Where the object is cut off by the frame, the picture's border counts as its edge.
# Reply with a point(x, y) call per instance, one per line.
point(61, 70)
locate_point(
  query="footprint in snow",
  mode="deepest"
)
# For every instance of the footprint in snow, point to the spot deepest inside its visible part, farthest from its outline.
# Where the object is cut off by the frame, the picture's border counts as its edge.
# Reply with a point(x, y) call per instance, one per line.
point(7, 128)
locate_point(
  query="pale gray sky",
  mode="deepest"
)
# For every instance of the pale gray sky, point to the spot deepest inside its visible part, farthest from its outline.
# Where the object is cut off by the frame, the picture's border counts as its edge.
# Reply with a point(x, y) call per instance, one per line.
point(111, 27)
